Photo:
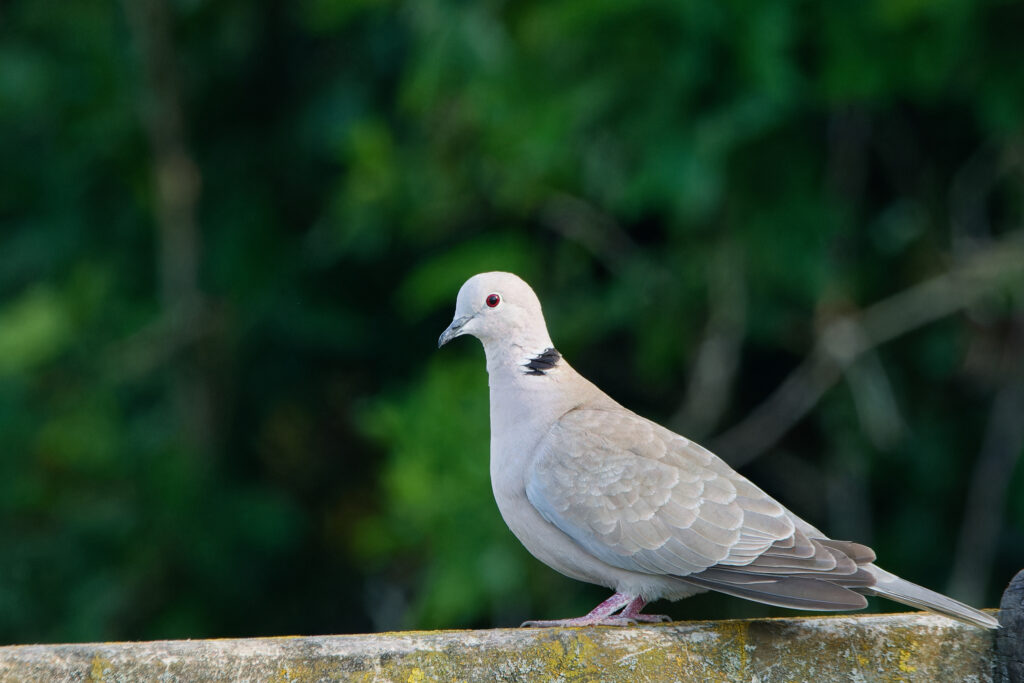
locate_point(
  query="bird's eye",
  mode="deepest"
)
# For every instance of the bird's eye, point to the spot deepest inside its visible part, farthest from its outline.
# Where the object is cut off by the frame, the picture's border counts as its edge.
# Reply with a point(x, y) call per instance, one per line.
point(493, 300)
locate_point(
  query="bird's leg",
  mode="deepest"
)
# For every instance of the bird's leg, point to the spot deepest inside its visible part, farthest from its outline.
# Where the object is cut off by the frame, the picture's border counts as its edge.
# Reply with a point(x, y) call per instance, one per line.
point(632, 611)
point(599, 615)
point(602, 614)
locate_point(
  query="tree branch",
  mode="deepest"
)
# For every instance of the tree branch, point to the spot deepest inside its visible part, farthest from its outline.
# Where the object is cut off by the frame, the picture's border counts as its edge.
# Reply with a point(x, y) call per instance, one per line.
point(717, 360)
point(177, 194)
point(845, 340)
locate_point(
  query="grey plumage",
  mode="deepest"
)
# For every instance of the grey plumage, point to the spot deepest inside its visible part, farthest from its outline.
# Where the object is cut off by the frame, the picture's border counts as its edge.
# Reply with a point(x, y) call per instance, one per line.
point(606, 496)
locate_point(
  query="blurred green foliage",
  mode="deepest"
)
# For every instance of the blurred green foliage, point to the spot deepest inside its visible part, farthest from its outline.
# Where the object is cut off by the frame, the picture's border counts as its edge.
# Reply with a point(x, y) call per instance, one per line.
point(275, 446)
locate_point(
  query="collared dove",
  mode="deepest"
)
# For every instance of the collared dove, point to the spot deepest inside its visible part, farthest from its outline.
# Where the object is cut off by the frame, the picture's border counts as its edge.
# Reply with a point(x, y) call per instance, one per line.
point(603, 495)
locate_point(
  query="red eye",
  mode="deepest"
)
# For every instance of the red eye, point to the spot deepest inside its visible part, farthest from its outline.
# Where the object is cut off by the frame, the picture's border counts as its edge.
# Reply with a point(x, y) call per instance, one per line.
point(493, 300)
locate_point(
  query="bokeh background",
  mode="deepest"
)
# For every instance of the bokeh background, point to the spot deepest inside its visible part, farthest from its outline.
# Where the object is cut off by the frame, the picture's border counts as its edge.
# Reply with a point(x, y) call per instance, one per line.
point(231, 232)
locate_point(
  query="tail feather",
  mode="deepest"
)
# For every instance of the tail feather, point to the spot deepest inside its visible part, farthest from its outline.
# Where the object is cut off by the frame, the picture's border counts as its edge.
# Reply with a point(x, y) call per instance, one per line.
point(796, 592)
point(893, 587)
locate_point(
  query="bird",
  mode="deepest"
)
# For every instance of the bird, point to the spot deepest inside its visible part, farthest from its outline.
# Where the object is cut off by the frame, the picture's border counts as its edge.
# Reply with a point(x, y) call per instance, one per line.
point(605, 496)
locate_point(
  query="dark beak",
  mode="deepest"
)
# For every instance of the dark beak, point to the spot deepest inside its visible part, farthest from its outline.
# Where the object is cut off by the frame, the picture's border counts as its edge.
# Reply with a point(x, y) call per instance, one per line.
point(453, 331)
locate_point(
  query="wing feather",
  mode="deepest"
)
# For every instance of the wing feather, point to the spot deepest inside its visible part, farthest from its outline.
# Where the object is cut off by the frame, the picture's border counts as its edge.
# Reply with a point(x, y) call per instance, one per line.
point(641, 498)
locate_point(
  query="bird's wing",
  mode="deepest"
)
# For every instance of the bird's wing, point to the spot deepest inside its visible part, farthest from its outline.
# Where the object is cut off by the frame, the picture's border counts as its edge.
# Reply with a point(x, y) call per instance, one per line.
point(642, 498)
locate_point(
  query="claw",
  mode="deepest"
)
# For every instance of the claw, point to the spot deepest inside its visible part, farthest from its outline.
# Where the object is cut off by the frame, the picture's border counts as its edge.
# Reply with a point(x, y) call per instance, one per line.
point(582, 621)
point(653, 618)
point(602, 614)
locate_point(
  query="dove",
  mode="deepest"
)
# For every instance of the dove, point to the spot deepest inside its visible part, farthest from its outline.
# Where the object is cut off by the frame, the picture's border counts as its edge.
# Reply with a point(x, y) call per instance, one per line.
point(603, 495)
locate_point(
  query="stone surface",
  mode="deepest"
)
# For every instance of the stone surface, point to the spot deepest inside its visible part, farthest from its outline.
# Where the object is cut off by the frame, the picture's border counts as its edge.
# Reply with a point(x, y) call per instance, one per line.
point(905, 647)
point(1010, 638)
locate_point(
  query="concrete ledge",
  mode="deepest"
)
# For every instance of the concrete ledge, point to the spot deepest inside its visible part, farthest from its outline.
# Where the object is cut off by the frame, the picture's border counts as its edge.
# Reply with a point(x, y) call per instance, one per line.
point(904, 647)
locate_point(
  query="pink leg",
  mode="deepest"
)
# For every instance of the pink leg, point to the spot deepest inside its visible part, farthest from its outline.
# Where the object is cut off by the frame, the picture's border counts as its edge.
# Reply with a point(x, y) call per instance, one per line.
point(602, 614)
point(632, 611)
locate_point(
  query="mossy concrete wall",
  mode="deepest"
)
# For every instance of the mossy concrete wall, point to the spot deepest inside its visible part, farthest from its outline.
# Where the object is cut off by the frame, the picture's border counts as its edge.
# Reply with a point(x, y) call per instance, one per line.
point(907, 647)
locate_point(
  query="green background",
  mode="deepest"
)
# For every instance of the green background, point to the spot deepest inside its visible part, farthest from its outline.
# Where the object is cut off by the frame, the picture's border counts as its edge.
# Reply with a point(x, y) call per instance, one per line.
point(231, 232)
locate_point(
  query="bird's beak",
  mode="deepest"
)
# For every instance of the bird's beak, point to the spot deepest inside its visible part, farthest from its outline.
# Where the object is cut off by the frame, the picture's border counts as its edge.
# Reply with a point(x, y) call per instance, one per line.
point(453, 331)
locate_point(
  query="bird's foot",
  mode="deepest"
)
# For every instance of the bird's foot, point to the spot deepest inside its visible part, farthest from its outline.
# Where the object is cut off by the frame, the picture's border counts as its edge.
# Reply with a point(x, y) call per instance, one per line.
point(602, 615)
point(650, 618)
point(586, 620)
point(632, 611)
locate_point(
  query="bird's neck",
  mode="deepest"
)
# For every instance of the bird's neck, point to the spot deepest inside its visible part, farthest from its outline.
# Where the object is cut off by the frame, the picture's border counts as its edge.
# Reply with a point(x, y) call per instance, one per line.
point(508, 364)
point(530, 385)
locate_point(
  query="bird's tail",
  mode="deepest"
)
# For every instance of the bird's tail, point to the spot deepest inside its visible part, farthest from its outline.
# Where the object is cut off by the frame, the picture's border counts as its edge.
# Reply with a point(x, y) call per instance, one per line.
point(893, 587)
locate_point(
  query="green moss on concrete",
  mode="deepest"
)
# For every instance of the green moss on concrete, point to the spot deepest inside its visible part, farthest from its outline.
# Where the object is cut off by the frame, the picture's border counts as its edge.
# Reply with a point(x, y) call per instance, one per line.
point(865, 648)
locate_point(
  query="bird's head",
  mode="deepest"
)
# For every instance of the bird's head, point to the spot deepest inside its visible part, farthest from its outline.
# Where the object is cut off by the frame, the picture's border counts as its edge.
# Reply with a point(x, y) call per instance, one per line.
point(498, 307)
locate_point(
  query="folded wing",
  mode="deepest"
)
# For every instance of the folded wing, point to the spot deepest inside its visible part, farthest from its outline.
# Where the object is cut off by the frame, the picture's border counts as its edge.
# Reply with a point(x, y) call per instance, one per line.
point(642, 498)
